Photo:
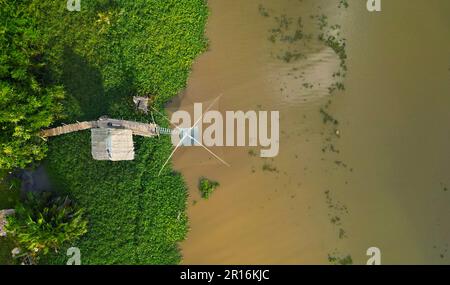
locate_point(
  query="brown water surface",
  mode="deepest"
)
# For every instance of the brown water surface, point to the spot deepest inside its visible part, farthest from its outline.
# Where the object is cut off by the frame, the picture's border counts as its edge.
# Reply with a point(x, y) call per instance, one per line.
point(381, 182)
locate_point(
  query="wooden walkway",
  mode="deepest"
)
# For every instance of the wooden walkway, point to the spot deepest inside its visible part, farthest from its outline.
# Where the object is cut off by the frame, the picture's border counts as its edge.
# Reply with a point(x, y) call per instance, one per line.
point(65, 129)
point(138, 129)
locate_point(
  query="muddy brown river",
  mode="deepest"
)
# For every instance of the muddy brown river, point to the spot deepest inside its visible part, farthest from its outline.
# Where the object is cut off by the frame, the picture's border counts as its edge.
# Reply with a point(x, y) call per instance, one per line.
point(377, 177)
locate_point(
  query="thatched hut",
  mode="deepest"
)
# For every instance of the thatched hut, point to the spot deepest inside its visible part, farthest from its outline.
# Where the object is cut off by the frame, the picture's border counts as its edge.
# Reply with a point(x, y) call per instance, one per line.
point(112, 144)
point(141, 103)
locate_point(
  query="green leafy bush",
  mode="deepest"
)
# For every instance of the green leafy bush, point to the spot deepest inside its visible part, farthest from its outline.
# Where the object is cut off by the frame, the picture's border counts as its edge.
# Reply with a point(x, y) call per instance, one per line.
point(28, 100)
point(42, 223)
point(206, 187)
point(340, 260)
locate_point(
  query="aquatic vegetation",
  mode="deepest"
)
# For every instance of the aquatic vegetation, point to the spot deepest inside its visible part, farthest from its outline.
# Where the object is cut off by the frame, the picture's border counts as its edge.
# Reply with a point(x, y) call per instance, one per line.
point(340, 260)
point(330, 147)
point(263, 11)
point(269, 167)
point(283, 31)
point(336, 211)
point(322, 21)
point(336, 86)
point(340, 163)
point(343, 3)
point(330, 35)
point(444, 251)
point(291, 42)
point(342, 233)
point(335, 220)
point(338, 45)
point(287, 30)
point(207, 187)
point(327, 117)
point(252, 152)
point(289, 56)
point(307, 85)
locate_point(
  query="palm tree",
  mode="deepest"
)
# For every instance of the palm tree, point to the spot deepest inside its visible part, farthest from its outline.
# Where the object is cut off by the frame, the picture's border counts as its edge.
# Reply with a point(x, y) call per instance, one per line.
point(43, 222)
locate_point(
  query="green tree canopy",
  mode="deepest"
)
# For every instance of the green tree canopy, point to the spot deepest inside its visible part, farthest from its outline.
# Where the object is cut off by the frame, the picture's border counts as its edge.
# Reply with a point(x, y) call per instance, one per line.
point(28, 100)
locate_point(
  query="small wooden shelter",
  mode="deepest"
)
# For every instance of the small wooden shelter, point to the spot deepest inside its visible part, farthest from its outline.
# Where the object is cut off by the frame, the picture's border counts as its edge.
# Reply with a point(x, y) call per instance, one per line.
point(141, 103)
point(112, 144)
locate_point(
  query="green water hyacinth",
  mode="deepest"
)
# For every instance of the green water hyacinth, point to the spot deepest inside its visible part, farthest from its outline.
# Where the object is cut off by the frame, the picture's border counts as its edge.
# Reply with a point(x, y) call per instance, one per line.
point(207, 187)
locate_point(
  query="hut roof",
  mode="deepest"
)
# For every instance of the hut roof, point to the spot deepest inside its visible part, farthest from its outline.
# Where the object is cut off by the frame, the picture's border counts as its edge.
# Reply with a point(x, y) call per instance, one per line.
point(112, 144)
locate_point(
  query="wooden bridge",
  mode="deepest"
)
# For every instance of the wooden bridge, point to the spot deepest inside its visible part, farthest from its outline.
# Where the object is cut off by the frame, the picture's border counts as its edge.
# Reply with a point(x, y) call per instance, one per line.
point(137, 128)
